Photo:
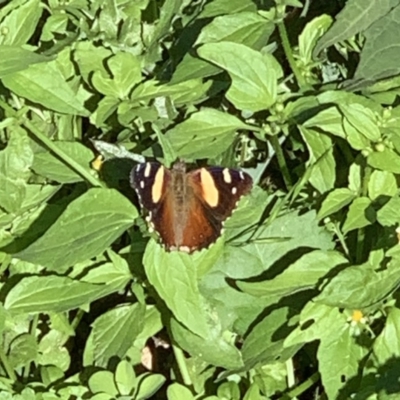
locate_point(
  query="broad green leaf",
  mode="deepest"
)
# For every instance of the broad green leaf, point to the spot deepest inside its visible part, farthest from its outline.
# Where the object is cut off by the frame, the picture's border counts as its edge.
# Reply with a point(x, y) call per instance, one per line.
point(265, 342)
point(115, 331)
point(19, 25)
point(44, 84)
point(179, 392)
point(15, 162)
point(335, 201)
point(254, 75)
point(14, 59)
point(221, 7)
point(125, 377)
point(126, 72)
point(387, 344)
point(310, 35)
point(215, 349)
point(205, 134)
point(361, 286)
point(37, 294)
point(355, 178)
point(381, 183)
point(303, 274)
point(386, 160)
point(53, 351)
point(148, 385)
point(360, 214)
point(23, 350)
point(389, 214)
point(362, 119)
point(247, 28)
point(172, 273)
point(339, 356)
point(321, 158)
point(316, 322)
point(355, 17)
point(85, 229)
point(103, 382)
point(328, 120)
point(50, 166)
point(380, 54)
point(355, 138)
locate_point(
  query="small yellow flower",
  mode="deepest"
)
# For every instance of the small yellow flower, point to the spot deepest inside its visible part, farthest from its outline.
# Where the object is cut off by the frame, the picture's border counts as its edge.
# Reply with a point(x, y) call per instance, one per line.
point(97, 163)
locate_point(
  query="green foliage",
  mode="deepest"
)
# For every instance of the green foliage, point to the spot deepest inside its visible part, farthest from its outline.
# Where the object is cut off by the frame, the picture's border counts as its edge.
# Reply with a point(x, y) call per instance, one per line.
point(299, 298)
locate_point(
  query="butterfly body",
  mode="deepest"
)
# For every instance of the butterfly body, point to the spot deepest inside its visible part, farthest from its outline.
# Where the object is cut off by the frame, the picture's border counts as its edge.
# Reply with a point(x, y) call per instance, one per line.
point(188, 209)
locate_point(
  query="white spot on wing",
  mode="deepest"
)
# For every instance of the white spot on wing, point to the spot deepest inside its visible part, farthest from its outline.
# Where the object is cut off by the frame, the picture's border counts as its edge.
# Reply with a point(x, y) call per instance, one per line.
point(142, 184)
point(234, 190)
point(185, 249)
point(241, 175)
point(227, 175)
point(147, 170)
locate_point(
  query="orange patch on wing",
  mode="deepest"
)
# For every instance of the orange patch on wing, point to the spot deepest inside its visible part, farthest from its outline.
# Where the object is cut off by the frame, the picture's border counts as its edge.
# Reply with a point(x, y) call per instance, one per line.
point(210, 191)
point(156, 190)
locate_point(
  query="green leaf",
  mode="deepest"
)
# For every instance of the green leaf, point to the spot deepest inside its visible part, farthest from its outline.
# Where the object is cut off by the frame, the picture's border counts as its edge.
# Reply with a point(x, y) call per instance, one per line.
point(14, 59)
point(361, 286)
point(339, 356)
point(316, 321)
point(380, 54)
point(148, 385)
point(360, 214)
point(381, 183)
point(254, 75)
point(15, 162)
point(125, 377)
point(205, 134)
point(329, 120)
point(389, 214)
point(265, 342)
point(176, 272)
point(362, 119)
point(335, 201)
point(115, 331)
point(50, 167)
point(386, 345)
point(303, 274)
point(51, 293)
point(44, 84)
point(179, 392)
point(19, 25)
point(85, 229)
point(221, 7)
point(23, 350)
point(355, 17)
point(103, 382)
point(321, 158)
point(386, 160)
point(214, 349)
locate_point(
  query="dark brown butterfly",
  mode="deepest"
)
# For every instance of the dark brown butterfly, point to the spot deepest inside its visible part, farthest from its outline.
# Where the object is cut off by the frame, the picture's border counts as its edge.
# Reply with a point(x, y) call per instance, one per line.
point(188, 209)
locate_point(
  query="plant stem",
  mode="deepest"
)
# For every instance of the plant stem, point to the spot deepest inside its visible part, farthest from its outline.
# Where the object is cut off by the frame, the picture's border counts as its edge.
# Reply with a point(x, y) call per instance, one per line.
point(66, 159)
point(32, 332)
point(180, 359)
point(297, 391)
point(361, 231)
point(281, 161)
point(289, 55)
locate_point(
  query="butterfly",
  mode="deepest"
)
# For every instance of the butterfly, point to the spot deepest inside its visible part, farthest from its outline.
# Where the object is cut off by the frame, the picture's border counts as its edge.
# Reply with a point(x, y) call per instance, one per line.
point(188, 209)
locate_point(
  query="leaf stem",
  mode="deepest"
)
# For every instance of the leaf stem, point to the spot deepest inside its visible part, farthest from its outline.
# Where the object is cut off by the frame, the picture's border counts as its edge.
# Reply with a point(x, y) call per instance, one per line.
point(297, 391)
point(281, 161)
point(289, 55)
point(50, 145)
point(361, 231)
point(180, 359)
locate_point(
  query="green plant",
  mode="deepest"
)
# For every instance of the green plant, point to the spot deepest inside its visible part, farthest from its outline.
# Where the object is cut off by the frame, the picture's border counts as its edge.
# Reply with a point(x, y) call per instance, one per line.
point(299, 298)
